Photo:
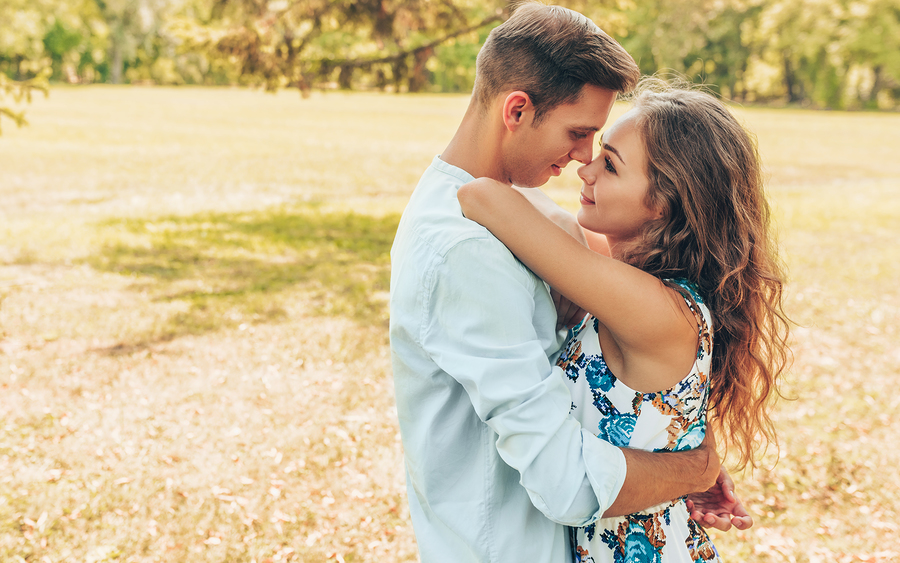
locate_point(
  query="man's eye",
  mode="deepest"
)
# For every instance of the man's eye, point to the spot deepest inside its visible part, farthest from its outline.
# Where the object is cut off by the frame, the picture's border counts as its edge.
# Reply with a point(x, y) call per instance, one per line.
point(577, 135)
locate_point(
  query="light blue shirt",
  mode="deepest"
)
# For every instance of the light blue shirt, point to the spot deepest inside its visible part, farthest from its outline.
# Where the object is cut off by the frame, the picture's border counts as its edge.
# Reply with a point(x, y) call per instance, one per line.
point(495, 466)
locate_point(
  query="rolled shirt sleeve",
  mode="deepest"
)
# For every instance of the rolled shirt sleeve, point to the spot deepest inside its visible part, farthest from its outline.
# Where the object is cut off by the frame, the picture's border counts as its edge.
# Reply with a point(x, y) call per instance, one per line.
point(481, 332)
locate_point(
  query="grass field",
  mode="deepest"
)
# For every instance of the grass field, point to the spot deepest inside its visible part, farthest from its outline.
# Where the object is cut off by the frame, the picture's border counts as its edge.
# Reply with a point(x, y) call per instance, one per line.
point(193, 346)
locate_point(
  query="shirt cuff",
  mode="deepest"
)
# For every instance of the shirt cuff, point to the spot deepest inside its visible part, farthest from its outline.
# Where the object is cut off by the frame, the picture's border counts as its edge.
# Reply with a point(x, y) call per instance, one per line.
point(606, 468)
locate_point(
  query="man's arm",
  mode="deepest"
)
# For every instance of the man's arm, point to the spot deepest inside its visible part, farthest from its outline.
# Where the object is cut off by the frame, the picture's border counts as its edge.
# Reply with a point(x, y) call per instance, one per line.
point(656, 477)
point(483, 306)
point(481, 333)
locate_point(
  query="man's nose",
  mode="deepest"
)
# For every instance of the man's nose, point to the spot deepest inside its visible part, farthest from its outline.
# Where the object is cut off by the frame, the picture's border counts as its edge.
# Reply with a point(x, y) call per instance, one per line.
point(583, 152)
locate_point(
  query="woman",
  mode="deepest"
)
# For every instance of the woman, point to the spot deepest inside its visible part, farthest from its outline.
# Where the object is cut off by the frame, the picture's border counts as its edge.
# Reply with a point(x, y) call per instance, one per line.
point(686, 311)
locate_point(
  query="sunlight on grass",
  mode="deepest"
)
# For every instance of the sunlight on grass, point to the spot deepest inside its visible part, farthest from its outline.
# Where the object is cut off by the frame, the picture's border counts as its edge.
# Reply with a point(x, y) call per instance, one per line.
point(230, 269)
point(194, 358)
point(128, 151)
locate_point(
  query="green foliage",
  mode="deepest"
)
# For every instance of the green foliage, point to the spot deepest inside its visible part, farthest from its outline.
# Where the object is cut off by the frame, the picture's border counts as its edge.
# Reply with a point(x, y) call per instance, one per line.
point(289, 43)
point(825, 53)
point(19, 91)
point(453, 66)
point(818, 53)
point(56, 34)
point(59, 41)
point(875, 39)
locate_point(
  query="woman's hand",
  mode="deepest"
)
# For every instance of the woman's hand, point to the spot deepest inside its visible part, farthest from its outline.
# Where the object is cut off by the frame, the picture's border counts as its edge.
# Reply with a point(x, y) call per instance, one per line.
point(719, 507)
point(568, 314)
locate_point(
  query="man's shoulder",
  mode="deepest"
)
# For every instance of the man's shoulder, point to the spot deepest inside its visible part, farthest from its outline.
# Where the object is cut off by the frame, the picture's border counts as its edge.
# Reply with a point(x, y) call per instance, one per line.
point(436, 240)
point(433, 216)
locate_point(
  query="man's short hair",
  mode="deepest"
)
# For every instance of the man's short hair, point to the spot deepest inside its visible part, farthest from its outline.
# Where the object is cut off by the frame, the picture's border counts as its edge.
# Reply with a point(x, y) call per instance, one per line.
point(550, 53)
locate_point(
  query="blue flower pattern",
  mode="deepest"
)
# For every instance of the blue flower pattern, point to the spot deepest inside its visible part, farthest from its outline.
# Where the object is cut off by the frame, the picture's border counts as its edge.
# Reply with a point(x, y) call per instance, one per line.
point(617, 431)
point(648, 536)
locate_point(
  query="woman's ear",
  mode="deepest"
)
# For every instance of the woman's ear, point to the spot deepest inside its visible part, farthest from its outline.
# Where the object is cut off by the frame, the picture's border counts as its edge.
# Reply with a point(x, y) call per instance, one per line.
point(658, 209)
point(658, 206)
point(517, 108)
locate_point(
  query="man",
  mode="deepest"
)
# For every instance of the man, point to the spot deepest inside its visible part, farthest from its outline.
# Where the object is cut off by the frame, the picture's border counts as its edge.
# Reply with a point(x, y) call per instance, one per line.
point(495, 466)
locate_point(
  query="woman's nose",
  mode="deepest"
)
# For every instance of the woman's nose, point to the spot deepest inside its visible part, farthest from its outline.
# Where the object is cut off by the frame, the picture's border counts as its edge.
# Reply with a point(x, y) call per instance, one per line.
point(586, 173)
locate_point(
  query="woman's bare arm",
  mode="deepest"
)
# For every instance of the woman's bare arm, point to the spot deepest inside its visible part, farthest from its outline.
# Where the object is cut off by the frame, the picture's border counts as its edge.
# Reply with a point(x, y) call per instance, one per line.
point(551, 210)
point(635, 305)
point(614, 292)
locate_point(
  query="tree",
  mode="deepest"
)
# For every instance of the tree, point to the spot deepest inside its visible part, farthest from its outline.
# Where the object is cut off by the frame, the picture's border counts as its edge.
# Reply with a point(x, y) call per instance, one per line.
point(294, 43)
point(23, 66)
point(19, 91)
point(874, 47)
point(703, 40)
point(831, 53)
point(133, 28)
point(801, 38)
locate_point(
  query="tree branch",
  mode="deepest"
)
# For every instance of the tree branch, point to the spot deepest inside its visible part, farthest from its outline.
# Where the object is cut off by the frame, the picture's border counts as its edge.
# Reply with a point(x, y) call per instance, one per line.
point(362, 63)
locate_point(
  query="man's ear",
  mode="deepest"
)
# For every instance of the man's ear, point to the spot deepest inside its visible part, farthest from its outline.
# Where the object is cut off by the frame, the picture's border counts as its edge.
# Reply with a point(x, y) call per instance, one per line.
point(515, 108)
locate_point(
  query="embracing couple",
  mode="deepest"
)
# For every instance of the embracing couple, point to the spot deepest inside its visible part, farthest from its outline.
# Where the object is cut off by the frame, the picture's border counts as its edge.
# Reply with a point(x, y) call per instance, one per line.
point(528, 442)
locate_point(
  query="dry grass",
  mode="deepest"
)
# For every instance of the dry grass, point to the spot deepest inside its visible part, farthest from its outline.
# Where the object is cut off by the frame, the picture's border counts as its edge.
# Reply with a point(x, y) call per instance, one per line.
point(193, 349)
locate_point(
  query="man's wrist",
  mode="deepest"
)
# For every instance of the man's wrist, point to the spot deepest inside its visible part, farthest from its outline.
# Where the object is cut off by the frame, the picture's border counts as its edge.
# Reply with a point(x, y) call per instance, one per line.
point(707, 467)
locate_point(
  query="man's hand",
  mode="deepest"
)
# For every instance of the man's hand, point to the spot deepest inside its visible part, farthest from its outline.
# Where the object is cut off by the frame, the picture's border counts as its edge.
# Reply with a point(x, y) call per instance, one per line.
point(568, 314)
point(712, 470)
point(719, 507)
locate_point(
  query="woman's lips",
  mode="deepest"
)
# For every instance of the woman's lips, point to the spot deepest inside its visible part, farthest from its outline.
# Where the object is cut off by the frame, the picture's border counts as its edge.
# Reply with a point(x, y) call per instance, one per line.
point(585, 200)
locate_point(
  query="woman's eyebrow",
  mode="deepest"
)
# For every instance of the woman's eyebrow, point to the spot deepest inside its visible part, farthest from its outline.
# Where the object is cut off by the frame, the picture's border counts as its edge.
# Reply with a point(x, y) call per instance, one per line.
point(613, 150)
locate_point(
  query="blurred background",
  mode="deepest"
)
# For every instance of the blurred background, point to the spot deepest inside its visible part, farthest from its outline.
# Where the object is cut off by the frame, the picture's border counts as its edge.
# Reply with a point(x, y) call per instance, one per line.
point(195, 226)
point(838, 54)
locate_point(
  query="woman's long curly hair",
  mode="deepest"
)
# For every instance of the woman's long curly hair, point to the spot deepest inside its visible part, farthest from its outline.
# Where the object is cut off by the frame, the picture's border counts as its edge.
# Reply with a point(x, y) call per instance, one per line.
point(705, 175)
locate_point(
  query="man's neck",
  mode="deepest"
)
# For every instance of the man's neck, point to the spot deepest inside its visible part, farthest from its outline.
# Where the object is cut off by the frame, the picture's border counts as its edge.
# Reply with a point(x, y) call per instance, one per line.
point(475, 147)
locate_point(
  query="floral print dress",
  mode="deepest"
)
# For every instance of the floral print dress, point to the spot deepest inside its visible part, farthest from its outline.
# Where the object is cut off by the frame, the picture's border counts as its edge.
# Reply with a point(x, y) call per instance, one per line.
point(670, 420)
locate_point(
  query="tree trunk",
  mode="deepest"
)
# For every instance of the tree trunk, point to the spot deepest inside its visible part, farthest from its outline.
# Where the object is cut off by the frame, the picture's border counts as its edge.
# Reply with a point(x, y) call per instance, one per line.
point(877, 86)
point(117, 56)
point(345, 78)
point(418, 77)
point(790, 80)
point(400, 69)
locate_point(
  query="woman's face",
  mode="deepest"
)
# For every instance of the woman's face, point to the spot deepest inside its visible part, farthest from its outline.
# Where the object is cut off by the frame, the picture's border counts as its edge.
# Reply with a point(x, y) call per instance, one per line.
point(614, 193)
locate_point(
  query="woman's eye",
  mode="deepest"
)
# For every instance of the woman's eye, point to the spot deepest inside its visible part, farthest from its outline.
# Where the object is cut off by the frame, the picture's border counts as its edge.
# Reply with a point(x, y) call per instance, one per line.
point(609, 165)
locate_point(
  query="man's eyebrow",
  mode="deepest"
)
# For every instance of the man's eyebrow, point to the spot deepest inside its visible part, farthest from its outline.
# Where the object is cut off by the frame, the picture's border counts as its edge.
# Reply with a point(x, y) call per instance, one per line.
point(586, 130)
point(613, 150)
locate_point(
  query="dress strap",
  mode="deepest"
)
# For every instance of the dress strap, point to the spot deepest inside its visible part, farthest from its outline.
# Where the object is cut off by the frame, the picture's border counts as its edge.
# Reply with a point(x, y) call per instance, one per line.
point(688, 297)
point(692, 297)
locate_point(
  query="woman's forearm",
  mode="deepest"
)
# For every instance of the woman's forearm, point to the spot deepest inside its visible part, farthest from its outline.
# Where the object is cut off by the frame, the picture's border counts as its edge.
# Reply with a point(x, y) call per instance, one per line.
point(554, 212)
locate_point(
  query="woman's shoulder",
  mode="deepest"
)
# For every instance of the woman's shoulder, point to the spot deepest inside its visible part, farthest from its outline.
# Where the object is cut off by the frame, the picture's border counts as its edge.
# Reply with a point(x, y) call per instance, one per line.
point(693, 296)
point(687, 286)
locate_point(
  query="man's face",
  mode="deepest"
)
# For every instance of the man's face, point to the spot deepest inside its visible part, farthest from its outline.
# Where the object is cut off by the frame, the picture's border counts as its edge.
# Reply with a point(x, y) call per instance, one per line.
point(566, 133)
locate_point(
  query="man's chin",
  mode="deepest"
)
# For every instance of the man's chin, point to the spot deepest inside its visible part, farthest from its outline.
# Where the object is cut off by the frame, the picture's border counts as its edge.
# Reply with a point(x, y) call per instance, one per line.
point(531, 182)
